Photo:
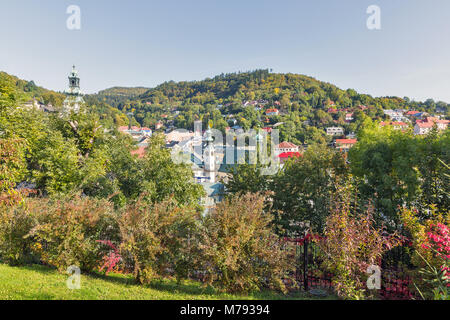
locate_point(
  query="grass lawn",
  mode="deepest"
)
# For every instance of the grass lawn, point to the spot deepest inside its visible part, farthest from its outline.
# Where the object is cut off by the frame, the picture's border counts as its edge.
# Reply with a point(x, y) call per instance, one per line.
point(42, 283)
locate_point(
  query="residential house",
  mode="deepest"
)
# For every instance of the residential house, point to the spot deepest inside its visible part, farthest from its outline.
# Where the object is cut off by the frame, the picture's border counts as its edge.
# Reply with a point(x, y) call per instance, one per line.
point(349, 117)
point(179, 135)
point(272, 112)
point(335, 131)
point(285, 147)
point(285, 156)
point(344, 144)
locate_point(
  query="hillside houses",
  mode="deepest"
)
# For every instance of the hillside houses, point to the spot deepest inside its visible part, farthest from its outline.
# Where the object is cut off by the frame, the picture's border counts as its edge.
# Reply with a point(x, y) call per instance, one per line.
point(425, 126)
point(37, 105)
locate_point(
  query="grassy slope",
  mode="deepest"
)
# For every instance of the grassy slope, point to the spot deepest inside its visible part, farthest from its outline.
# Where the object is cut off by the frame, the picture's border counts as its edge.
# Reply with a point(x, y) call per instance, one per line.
point(38, 282)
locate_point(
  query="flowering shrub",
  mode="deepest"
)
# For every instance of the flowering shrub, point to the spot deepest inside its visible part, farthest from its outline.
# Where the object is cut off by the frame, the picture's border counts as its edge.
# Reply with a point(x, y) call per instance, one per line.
point(67, 230)
point(240, 251)
point(110, 261)
point(431, 241)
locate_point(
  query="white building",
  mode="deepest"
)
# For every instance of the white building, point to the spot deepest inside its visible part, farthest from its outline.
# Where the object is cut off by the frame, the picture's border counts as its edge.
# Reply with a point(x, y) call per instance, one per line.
point(285, 147)
point(335, 131)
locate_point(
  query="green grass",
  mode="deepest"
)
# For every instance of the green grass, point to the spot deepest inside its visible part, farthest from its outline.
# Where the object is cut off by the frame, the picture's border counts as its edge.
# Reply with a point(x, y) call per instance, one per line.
point(42, 283)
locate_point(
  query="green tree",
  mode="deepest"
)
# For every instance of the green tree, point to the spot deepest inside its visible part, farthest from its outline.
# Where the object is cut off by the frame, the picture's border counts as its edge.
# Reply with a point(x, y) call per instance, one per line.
point(303, 189)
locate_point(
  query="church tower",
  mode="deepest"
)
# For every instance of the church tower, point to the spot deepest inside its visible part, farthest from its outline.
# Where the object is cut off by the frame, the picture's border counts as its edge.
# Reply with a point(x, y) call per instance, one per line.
point(74, 95)
point(209, 157)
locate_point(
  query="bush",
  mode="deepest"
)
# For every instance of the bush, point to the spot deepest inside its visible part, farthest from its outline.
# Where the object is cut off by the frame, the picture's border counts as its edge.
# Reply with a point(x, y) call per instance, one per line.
point(16, 221)
point(67, 231)
point(12, 163)
point(431, 243)
point(352, 244)
point(156, 239)
point(240, 251)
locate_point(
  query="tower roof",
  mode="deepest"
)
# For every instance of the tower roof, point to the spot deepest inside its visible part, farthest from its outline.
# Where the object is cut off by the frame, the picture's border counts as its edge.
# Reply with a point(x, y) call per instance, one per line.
point(74, 73)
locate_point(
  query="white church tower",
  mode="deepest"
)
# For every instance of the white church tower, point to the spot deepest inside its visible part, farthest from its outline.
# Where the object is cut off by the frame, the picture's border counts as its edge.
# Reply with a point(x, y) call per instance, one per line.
point(209, 157)
point(74, 95)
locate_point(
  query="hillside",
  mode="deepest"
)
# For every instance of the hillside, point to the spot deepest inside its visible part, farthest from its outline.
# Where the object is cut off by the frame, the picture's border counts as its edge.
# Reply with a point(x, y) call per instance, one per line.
point(28, 89)
point(304, 103)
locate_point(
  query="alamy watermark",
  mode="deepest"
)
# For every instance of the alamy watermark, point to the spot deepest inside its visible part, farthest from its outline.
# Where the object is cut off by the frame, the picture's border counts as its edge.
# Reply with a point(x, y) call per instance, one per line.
point(74, 280)
point(374, 20)
point(73, 22)
point(374, 280)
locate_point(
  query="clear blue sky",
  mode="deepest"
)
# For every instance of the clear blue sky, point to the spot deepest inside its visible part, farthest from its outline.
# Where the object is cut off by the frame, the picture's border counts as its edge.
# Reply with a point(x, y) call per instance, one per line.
point(146, 42)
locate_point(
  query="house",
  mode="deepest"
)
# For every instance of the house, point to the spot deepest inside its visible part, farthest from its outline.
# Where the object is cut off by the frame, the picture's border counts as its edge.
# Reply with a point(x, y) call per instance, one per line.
point(285, 156)
point(344, 144)
point(412, 113)
point(179, 135)
point(349, 117)
point(425, 126)
point(285, 147)
point(351, 135)
point(35, 104)
point(159, 125)
point(335, 131)
point(362, 107)
point(332, 110)
point(272, 112)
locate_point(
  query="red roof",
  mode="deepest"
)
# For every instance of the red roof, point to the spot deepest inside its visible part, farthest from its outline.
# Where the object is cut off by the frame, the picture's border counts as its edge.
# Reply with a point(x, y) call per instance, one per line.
point(286, 155)
point(271, 110)
point(425, 124)
point(412, 112)
point(286, 145)
point(346, 141)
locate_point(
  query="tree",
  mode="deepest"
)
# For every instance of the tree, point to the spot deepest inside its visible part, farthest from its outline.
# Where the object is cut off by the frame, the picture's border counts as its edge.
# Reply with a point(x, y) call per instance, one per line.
point(245, 178)
point(303, 189)
point(163, 178)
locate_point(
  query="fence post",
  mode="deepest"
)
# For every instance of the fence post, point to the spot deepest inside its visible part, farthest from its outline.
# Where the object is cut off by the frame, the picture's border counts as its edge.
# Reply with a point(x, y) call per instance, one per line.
point(305, 264)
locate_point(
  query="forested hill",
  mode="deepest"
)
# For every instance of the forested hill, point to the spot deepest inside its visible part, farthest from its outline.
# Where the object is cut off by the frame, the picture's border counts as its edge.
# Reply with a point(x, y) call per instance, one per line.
point(246, 96)
point(28, 89)
point(263, 85)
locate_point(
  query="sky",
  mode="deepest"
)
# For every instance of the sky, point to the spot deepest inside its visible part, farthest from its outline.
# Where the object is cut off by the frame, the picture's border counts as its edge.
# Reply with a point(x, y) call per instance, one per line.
point(146, 42)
